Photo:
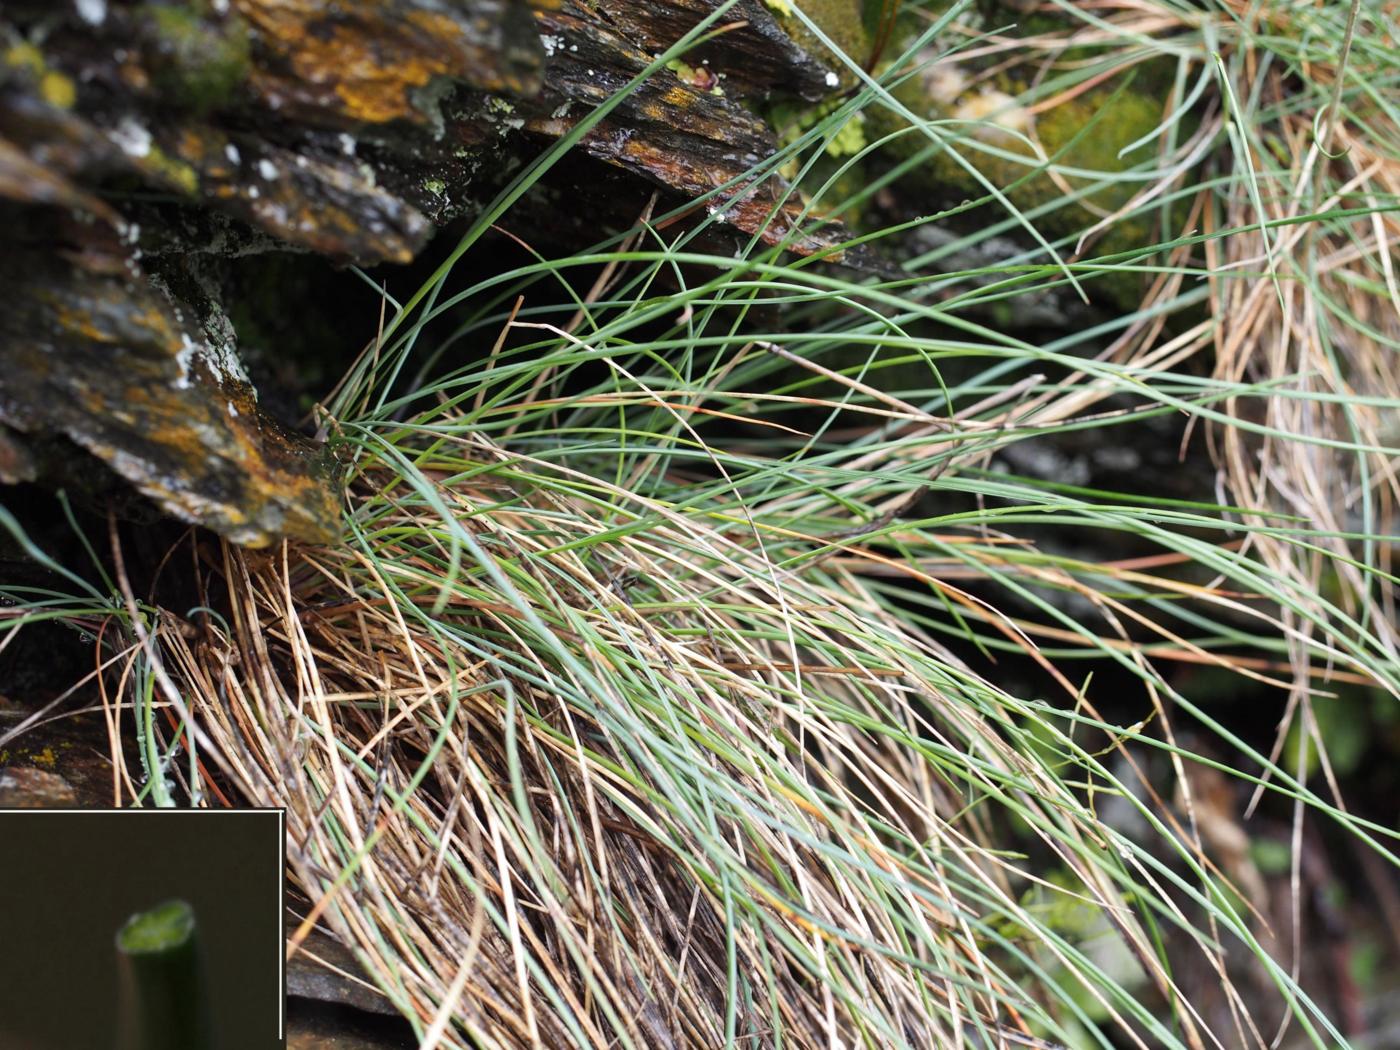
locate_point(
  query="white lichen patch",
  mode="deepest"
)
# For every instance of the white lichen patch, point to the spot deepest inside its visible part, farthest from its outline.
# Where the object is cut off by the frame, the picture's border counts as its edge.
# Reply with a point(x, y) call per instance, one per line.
point(184, 360)
point(551, 44)
point(998, 114)
point(131, 137)
point(93, 12)
point(945, 83)
point(501, 113)
point(347, 144)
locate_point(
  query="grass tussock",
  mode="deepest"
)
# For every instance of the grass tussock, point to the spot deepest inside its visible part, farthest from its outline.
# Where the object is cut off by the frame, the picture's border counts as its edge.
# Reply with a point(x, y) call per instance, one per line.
point(707, 800)
point(583, 745)
point(701, 669)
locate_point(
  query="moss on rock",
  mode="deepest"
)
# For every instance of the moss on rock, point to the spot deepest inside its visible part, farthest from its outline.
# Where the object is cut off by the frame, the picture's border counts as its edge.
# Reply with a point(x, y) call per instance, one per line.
point(846, 23)
point(1077, 148)
point(199, 62)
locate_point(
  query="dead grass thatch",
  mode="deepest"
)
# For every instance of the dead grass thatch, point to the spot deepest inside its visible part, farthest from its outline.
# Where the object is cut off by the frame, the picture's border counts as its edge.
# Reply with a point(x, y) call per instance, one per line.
point(641, 790)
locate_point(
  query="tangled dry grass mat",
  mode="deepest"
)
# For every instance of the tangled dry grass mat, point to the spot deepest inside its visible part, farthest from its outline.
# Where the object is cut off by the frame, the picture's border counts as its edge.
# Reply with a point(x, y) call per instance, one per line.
point(578, 768)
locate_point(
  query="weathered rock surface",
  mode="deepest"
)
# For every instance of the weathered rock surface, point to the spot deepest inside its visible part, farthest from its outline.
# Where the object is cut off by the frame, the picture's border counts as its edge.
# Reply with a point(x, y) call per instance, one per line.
point(113, 365)
point(680, 129)
point(139, 138)
point(326, 971)
point(25, 788)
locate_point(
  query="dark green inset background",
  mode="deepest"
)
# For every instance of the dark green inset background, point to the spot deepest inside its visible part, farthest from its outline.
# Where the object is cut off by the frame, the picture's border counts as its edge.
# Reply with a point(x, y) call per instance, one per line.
point(70, 879)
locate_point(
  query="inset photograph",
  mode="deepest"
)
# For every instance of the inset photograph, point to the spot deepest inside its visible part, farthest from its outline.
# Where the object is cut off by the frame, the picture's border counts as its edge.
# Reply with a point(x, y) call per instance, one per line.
point(141, 930)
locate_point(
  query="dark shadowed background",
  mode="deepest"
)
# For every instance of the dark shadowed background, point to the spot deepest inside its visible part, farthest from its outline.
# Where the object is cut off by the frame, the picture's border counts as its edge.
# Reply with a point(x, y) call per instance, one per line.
point(69, 879)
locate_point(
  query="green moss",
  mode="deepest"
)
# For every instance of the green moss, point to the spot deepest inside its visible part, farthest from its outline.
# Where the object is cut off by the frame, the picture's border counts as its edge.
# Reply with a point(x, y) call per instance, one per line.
point(200, 64)
point(793, 121)
point(850, 140)
point(1087, 133)
point(844, 22)
point(1091, 132)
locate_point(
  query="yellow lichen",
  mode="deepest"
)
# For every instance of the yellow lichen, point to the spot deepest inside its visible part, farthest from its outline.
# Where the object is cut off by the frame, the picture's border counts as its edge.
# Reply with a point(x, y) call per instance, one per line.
point(58, 90)
point(26, 56)
point(374, 77)
point(55, 88)
point(171, 170)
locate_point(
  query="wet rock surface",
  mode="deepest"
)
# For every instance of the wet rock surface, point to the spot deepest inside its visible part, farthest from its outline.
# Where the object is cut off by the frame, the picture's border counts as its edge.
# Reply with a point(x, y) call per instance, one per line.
point(316, 1026)
point(113, 365)
point(324, 971)
point(140, 141)
point(27, 788)
point(52, 765)
point(682, 129)
point(329, 1005)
